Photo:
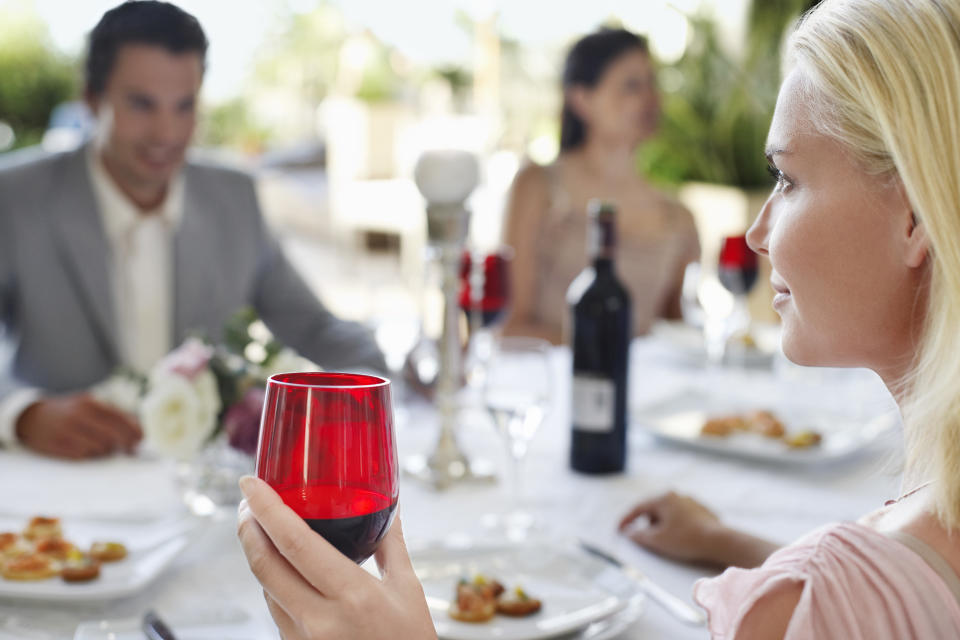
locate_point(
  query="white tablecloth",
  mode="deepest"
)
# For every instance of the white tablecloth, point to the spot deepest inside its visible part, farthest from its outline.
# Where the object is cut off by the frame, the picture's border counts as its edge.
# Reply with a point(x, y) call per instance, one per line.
point(211, 578)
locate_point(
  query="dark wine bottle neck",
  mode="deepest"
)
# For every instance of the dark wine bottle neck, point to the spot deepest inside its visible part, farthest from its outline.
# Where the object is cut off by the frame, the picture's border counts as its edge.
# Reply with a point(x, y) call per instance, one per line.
point(601, 241)
point(602, 265)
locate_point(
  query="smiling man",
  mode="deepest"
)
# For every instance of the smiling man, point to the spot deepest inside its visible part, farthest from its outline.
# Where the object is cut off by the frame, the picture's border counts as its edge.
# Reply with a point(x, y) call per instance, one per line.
point(113, 254)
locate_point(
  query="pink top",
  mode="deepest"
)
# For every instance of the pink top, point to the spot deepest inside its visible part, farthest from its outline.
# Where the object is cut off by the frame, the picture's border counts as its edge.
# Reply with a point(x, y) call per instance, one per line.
point(857, 584)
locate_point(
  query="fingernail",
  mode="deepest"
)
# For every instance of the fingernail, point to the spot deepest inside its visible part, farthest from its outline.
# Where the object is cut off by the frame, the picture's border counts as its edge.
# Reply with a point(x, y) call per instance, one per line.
point(246, 485)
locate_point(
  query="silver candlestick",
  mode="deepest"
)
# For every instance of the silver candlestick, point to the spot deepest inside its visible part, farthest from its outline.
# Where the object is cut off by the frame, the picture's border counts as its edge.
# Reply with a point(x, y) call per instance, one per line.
point(446, 179)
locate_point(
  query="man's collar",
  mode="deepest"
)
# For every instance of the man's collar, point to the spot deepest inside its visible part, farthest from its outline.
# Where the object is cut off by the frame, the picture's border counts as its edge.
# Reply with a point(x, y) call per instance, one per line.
point(118, 212)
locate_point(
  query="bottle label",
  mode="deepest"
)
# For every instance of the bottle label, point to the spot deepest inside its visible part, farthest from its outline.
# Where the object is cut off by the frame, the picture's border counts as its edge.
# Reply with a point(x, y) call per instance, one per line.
point(593, 404)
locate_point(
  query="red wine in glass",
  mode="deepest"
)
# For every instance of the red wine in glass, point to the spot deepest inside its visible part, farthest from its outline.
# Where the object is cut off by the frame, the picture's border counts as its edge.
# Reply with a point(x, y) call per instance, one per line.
point(494, 301)
point(737, 268)
point(327, 447)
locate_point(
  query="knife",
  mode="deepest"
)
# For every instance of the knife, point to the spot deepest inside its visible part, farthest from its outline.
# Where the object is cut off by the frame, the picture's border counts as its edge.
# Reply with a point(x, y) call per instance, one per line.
point(673, 605)
point(155, 628)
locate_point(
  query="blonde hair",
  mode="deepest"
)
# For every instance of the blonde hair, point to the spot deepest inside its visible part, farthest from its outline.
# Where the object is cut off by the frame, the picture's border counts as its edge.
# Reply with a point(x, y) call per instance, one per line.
point(884, 76)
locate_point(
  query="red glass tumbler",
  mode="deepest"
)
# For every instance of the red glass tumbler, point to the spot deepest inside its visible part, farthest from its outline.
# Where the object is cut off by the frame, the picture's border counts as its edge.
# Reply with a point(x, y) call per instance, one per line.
point(327, 446)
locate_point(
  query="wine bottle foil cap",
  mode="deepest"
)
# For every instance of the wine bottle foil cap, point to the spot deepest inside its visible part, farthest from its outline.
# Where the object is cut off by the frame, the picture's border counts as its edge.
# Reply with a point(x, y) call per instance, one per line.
point(598, 207)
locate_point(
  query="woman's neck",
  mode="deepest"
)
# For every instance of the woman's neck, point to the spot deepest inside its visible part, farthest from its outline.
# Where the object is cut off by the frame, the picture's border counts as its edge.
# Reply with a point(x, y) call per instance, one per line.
point(606, 161)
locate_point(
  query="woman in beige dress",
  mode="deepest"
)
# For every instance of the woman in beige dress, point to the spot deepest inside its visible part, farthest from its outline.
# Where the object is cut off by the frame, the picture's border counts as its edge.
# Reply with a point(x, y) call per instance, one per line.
point(610, 107)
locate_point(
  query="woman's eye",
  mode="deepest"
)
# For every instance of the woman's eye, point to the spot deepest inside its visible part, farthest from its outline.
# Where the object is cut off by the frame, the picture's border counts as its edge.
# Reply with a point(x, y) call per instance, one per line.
point(782, 182)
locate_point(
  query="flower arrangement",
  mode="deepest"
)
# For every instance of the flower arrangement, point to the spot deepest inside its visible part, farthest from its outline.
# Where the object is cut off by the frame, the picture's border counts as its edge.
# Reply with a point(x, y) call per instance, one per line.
point(201, 390)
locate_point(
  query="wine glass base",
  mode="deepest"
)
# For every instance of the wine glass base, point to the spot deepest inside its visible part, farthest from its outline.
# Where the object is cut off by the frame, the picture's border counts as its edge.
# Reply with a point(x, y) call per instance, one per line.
point(475, 471)
point(514, 526)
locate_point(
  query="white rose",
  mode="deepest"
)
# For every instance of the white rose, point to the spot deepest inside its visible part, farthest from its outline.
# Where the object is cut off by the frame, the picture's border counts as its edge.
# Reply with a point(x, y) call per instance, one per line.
point(176, 417)
point(205, 386)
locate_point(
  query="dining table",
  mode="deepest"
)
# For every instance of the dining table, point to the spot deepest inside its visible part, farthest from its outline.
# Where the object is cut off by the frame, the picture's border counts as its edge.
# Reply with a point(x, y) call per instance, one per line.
point(204, 589)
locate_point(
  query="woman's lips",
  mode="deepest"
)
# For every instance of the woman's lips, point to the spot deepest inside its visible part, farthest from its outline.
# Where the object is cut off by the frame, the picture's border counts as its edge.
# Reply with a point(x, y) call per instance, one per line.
point(782, 293)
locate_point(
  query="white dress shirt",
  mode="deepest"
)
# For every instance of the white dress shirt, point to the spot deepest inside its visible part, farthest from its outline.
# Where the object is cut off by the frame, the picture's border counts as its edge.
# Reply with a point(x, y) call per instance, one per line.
point(141, 270)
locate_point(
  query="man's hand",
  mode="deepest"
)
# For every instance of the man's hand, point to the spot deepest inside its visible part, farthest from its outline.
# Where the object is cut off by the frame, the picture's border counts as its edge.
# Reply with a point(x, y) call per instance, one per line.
point(76, 426)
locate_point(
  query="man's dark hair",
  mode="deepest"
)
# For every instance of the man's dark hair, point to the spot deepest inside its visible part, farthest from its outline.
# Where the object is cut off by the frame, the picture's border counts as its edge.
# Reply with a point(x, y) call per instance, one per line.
point(140, 22)
point(586, 63)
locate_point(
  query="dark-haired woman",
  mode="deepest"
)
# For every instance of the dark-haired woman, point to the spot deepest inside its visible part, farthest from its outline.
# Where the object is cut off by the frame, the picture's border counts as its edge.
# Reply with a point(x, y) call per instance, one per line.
point(610, 107)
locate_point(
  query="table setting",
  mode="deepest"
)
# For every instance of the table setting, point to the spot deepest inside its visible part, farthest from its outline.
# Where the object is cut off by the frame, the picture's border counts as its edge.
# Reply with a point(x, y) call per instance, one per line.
point(190, 570)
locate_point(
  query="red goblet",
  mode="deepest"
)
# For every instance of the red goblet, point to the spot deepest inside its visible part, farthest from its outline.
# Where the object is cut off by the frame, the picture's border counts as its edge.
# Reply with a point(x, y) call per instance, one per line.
point(493, 300)
point(327, 446)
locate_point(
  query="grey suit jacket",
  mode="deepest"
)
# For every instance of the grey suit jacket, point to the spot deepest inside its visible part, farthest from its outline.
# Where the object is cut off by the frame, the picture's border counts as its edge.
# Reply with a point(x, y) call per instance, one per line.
point(56, 300)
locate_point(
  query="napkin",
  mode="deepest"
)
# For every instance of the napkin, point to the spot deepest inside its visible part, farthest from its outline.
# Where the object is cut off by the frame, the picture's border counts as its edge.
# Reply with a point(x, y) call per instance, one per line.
point(120, 488)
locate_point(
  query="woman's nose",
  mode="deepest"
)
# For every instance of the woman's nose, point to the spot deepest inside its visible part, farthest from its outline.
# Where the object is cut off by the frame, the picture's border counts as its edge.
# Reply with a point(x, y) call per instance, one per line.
point(758, 235)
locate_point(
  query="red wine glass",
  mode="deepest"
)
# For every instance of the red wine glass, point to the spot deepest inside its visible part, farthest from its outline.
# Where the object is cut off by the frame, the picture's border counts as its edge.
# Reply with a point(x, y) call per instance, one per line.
point(737, 272)
point(327, 446)
point(485, 299)
point(737, 266)
point(485, 287)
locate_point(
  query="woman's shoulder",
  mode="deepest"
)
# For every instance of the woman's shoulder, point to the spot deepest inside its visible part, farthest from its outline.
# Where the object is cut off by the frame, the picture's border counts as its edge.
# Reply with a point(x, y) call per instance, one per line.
point(850, 571)
point(532, 175)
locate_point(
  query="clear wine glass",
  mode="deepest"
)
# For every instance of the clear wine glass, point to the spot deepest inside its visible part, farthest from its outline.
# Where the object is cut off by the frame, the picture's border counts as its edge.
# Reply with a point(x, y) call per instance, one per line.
point(327, 446)
point(517, 394)
point(690, 307)
point(397, 333)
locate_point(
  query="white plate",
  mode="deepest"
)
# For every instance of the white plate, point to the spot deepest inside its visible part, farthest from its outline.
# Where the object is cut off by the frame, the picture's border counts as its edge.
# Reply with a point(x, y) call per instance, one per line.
point(679, 420)
point(583, 598)
point(151, 547)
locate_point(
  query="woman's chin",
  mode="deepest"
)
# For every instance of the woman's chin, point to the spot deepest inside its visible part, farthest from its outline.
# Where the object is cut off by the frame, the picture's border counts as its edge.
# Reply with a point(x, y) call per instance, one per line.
point(813, 355)
point(796, 351)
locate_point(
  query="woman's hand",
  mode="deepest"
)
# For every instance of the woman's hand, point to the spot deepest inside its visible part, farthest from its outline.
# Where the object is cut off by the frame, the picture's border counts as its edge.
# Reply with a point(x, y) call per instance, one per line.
point(682, 529)
point(679, 527)
point(316, 593)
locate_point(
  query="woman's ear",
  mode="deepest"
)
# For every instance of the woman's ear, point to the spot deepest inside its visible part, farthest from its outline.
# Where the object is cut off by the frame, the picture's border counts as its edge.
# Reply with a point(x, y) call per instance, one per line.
point(916, 241)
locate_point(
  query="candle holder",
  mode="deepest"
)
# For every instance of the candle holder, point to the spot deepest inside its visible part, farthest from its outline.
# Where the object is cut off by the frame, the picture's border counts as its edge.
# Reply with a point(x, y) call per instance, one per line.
point(446, 179)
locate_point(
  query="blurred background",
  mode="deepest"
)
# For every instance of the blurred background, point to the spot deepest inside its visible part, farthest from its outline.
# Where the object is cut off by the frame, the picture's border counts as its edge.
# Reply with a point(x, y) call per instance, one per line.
point(330, 102)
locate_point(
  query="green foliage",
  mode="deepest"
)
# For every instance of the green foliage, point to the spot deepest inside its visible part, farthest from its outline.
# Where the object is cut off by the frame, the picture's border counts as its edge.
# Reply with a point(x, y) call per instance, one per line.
point(231, 125)
point(379, 83)
point(33, 78)
point(717, 108)
point(239, 333)
point(459, 78)
point(305, 54)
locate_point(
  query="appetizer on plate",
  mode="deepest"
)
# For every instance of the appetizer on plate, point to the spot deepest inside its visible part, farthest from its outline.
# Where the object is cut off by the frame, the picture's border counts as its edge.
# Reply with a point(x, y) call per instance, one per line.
point(108, 551)
point(517, 604)
point(761, 422)
point(41, 527)
point(80, 568)
point(478, 600)
point(41, 552)
point(33, 566)
point(13, 545)
point(471, 605)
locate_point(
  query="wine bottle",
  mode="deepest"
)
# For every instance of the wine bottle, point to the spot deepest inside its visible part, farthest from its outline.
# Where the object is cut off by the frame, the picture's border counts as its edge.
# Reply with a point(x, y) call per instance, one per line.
point(601, 328)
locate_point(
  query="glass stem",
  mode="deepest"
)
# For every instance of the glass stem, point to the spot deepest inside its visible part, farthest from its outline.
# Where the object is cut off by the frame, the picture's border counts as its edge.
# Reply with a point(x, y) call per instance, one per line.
point(715, 338)
point(517, 451)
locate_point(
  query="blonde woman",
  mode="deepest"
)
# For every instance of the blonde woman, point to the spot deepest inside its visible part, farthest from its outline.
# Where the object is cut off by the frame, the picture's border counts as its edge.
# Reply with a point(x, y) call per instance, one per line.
point(863, 233)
